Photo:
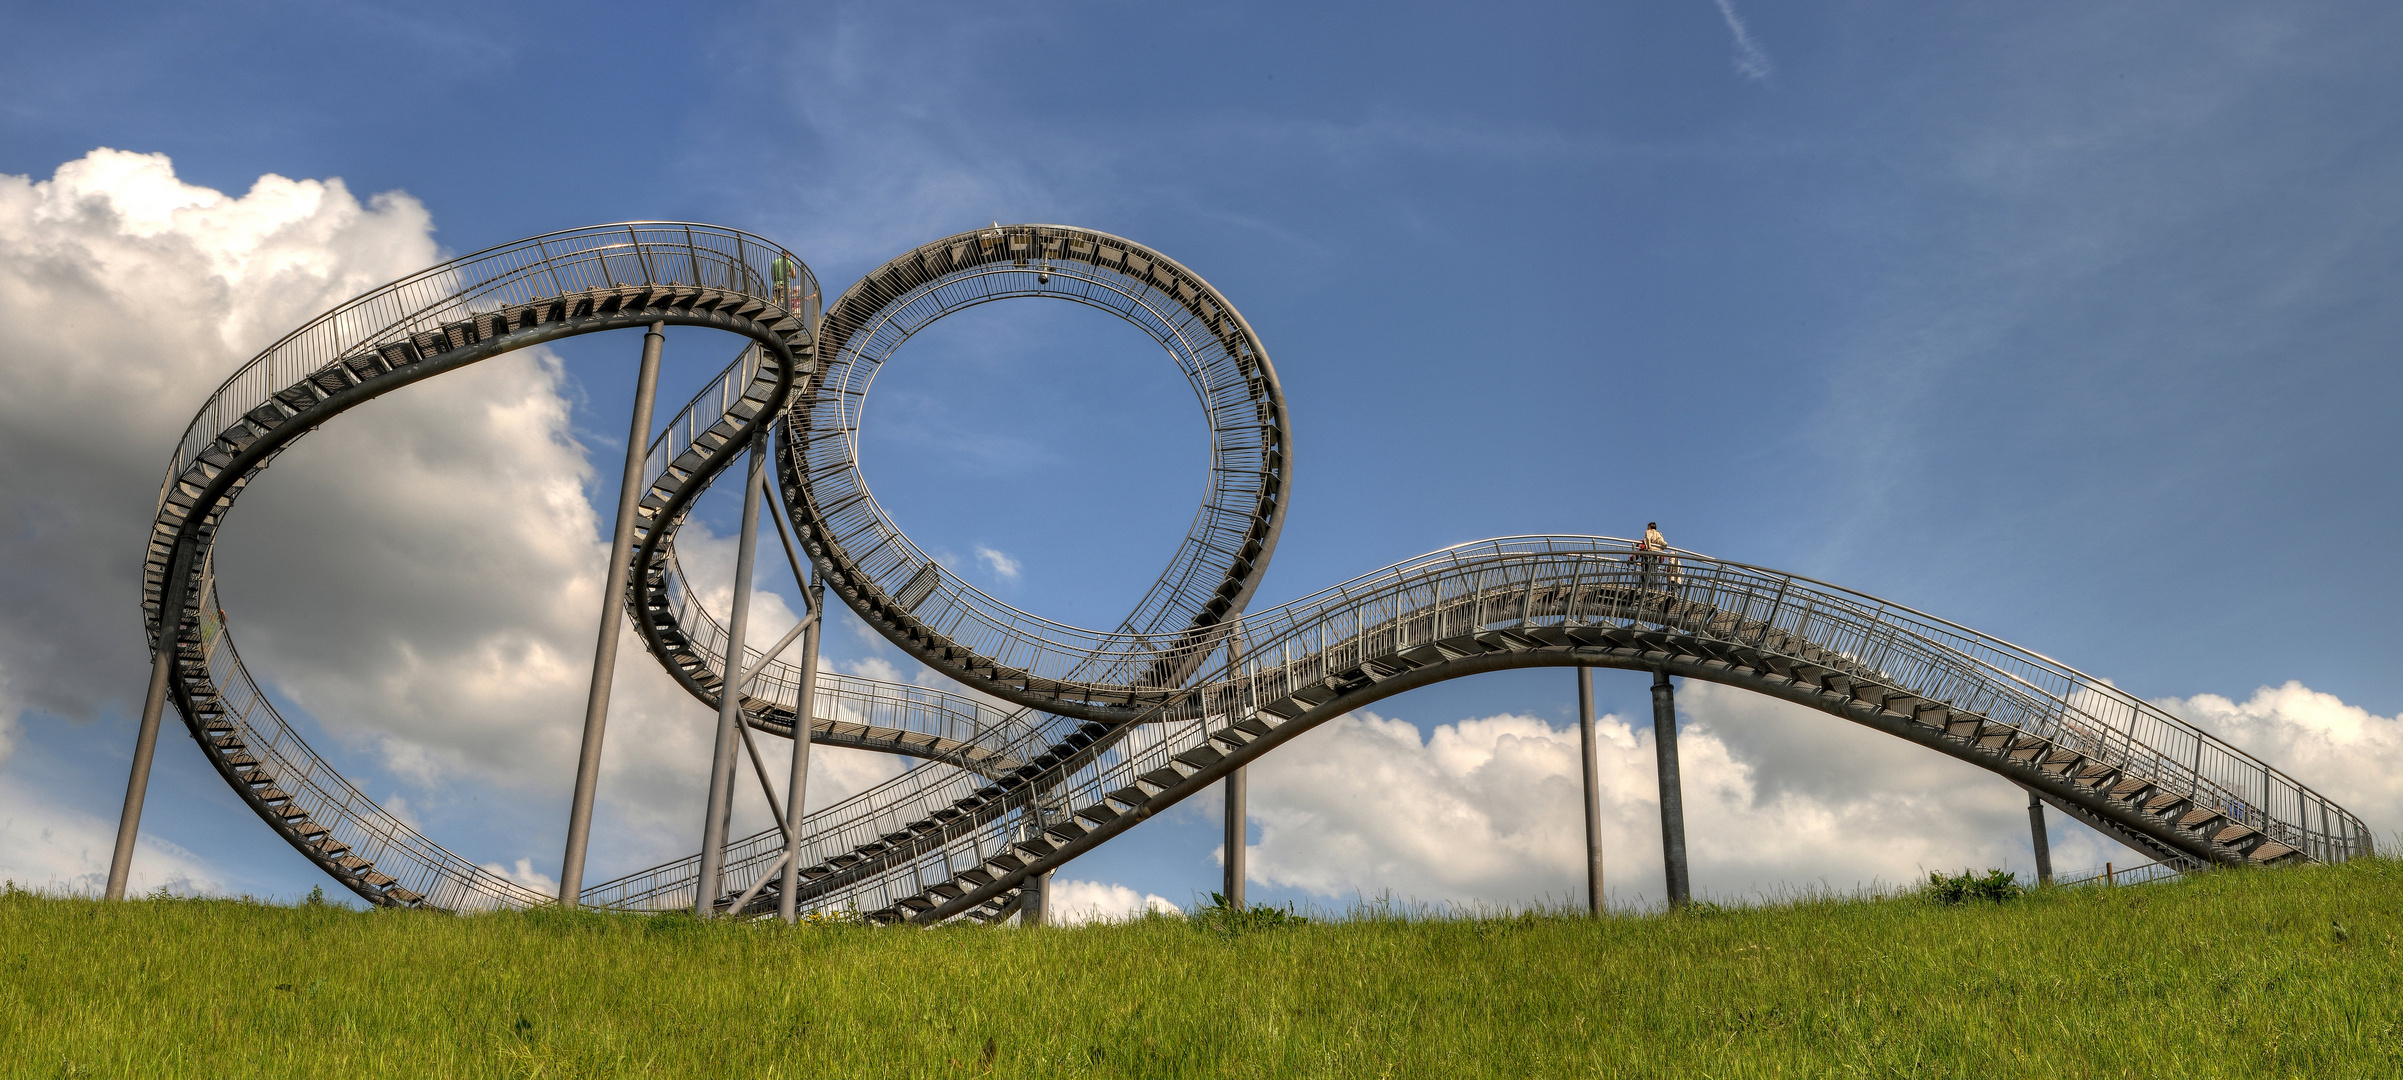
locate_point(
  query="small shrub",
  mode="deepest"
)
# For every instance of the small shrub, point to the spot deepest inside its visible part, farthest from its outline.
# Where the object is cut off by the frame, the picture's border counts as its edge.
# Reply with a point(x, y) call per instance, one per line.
point(847, 917)
point(1994, 885)
point(1218, 916)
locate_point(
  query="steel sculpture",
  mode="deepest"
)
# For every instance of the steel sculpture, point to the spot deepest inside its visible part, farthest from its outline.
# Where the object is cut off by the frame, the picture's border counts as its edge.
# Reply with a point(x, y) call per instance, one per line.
point(1110, 727)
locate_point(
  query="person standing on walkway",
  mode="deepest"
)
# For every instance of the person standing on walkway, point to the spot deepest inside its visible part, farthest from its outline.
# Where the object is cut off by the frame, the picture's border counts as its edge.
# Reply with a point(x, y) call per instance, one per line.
point(1652, 556)
point(785, 273)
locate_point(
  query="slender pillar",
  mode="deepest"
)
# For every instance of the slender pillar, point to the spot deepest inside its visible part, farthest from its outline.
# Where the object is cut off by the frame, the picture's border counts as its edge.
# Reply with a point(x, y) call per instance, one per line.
point(1672, 794)
point(2044, 846)
point(798, 791)
point(137, 784)
point(730, 696)
point(1593, 790)
point(1238, 834)
point(1034, 901)
point(613, 617)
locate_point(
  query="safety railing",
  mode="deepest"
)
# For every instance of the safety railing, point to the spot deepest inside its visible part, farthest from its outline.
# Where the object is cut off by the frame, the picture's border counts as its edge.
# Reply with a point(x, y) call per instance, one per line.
point(841, 699)
point(313, 786)
point(1205, 338)
point(2121, 874)
point(850, 827)
point(1521, 582)
point(556, 264)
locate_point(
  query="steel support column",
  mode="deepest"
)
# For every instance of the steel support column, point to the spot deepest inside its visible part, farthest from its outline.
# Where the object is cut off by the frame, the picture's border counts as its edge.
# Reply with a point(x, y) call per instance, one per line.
point(797, 792)
point(2044, 846)
point(1672, 794)
point(1034, 900)
point(137, 783)
point(613, 617)
point(1593, 789)
point(730, 695)
point(1238, 834)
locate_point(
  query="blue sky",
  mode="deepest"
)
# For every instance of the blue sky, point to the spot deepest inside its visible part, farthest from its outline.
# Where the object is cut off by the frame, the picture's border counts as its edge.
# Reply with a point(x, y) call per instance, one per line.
point(2073, 323)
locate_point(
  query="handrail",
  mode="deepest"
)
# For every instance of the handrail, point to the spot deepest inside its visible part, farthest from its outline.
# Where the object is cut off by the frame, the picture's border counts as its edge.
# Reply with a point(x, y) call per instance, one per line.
point(1476, 588)
point(1111, 725)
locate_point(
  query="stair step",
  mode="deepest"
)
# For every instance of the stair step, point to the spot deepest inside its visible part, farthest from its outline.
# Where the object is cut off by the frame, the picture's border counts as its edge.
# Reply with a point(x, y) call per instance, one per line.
point(1200, 757)
point(2272, 851)
point(1162, 778)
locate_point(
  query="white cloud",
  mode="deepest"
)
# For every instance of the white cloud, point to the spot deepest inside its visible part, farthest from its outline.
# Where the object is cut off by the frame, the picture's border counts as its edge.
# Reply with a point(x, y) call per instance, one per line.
point(1075, 903)
point(50, 847)
point(125, 296)
point(2345, 752)
point(871, 667)
point(1001, 565)
point(1484, 810)
point(1751, 61)
point(1487, 811)
point(524, 874)
point(421, 576)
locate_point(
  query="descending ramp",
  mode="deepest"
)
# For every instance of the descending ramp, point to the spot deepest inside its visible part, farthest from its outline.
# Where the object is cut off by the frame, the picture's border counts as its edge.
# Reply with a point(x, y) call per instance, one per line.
point(2106, 757)
point(1187, 691)
point(1108, 727)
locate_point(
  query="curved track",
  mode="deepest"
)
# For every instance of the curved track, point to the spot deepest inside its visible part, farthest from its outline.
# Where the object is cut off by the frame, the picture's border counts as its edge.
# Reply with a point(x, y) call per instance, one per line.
point(1113, 726)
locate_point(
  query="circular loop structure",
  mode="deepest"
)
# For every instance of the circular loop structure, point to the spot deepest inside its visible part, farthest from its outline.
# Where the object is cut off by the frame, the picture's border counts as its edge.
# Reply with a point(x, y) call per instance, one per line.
point(1112, 727)
point(947, 623)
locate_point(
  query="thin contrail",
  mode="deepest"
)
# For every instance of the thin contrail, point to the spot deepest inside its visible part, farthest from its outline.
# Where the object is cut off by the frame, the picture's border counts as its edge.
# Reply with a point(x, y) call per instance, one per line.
point(1751, 61)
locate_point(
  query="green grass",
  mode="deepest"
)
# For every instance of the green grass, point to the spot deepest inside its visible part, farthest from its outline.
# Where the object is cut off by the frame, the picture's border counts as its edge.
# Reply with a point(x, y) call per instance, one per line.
point(2269, 973)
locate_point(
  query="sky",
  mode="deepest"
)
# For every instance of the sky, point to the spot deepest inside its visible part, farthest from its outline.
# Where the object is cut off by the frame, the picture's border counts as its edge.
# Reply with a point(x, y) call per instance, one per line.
point(2072, 323)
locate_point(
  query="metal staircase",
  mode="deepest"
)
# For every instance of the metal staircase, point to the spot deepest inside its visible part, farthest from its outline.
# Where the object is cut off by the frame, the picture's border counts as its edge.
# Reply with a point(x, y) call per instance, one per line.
point(2106, 757)
point(1112, 727)
point(432, 322)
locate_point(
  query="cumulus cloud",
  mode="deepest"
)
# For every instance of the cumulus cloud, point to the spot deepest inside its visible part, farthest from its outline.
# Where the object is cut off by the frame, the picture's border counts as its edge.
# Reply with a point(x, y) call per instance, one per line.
point(524, 874)
point(125, 296)
point(1487, 811)
point(2345, 752)
point(1075, 903)
point(421, 577)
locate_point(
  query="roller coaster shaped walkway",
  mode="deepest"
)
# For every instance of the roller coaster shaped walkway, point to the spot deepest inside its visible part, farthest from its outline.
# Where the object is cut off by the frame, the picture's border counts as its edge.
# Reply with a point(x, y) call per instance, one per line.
point(1102, 729)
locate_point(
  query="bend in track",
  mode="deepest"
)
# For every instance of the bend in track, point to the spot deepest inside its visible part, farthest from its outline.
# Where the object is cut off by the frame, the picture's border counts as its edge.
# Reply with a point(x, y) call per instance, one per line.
point(439, 320)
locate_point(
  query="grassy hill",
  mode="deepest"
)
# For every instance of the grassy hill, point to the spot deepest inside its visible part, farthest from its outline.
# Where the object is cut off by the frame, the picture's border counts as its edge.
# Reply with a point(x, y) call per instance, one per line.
point(2264, 973)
